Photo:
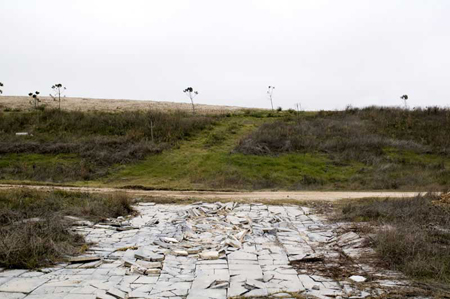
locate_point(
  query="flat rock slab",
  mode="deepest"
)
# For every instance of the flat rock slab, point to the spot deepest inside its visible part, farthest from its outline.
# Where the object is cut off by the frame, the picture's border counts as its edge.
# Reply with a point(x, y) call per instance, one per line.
point(22, 285)
point(84, 259)
point(12, 295)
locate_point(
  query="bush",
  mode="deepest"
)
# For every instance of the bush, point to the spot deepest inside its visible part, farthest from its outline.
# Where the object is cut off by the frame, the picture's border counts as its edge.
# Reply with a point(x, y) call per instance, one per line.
point(414, 235)
point(34, 232)
point(34, 244)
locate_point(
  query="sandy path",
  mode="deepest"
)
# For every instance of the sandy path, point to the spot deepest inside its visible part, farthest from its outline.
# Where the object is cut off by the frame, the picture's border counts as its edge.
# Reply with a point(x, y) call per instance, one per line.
point(235, 196)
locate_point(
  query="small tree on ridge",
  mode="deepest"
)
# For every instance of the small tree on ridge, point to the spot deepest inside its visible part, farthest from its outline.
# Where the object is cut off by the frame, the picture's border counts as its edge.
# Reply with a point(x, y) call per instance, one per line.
point(34, 99)
point(270, 93)
point(58, 89)
point(1, 85)
point(191, 93)
point(404, 98)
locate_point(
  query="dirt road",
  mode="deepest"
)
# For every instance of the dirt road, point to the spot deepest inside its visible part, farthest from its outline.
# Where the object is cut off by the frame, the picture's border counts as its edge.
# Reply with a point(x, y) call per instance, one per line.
point(235, 196)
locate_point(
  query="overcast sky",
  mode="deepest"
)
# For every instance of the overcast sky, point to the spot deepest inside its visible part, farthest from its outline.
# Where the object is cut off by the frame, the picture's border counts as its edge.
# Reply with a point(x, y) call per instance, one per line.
point(322, 54)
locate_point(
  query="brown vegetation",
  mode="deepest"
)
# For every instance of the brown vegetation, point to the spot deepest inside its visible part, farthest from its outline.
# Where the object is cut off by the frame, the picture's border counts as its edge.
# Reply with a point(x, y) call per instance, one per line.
point(34, 231)
point(411, 235)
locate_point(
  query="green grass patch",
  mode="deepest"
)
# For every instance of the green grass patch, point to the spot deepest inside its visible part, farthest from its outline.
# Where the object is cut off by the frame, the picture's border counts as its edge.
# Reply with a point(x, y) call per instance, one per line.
point(206, 162)
point(356, 149)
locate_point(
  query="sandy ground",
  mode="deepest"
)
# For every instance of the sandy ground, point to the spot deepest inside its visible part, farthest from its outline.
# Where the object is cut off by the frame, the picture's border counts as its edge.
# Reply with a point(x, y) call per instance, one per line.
point(88, 104)
point(234, 196)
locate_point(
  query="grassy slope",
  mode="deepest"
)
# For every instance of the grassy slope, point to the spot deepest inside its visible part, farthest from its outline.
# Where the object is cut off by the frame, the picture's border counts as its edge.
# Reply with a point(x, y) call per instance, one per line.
point(206, 161)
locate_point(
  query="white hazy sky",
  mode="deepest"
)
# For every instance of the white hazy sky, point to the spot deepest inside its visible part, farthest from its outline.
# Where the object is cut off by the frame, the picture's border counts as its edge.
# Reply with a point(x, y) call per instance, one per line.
point(322, 54)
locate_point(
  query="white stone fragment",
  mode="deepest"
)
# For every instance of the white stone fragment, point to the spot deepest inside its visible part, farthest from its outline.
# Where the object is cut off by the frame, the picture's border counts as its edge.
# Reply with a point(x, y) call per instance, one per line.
point(358, 278)
point(209, 255)
point(169, 240)
point(180, 253)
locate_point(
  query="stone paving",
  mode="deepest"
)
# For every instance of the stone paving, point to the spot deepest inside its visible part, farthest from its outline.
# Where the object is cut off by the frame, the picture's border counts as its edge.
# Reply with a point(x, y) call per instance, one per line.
point(207, 250)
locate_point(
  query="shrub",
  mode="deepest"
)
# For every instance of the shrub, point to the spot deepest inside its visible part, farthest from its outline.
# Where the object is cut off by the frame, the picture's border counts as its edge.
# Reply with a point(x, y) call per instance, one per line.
point(27, 243)
point(414, 235)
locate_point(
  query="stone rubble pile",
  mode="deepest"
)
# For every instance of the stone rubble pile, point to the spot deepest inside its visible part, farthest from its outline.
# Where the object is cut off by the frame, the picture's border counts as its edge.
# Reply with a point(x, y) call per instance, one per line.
point(204, 250)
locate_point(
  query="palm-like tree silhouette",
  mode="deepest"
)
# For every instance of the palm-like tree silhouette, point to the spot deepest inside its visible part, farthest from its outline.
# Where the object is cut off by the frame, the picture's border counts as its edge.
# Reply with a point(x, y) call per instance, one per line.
point(270, 93)
point(191, 93)
point(404, 98)
point(34, 98)
point(58, 89)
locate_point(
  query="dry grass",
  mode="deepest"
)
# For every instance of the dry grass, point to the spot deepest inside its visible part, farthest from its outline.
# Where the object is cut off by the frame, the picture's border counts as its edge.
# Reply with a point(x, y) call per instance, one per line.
point(412, 235)
point(34, 232)
point(112, 105)
point(34, 244)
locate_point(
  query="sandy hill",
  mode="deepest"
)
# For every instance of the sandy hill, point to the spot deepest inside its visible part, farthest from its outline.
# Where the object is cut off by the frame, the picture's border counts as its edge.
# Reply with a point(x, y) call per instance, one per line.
point(89, 104)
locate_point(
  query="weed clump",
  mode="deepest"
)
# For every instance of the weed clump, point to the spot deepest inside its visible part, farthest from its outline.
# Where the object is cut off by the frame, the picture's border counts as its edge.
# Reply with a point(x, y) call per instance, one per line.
point(412, 235)
point(34, 231)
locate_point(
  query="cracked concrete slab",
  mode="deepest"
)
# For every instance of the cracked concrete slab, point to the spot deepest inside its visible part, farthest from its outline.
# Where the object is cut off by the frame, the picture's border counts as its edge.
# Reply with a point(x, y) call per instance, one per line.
point(205, 250)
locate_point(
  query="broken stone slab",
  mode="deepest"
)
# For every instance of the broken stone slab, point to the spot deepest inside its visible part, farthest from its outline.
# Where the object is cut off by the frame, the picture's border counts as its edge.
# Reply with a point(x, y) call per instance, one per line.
point(154, 257)
point(147, 204)
point(146, 280)
point(254, 284)
point(180, 253)
point(90, 265)
point(241, 235)
point(152, 272)
point(223, 285)
point(126, 228)
point(194, 250)
point(188, 232)
point(307, 281)
point(22, 285)
point(116, 293)
point(161, 244)
point(129, 263)
point(169, 240)
point(231, 241)
point(84, 259)
point(358, 278)
point(348, 239)
point(209, 255)
point(236, 289)
point(307, 259)
point(149, 265)
point(135, 270)
point(242, 255)
point(79, 221)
